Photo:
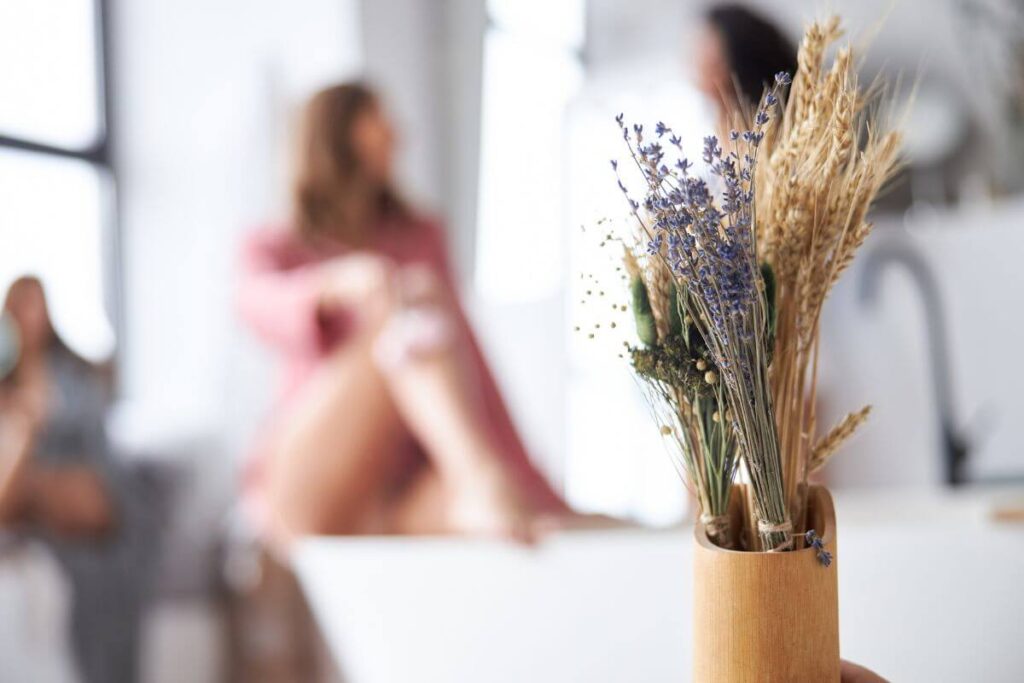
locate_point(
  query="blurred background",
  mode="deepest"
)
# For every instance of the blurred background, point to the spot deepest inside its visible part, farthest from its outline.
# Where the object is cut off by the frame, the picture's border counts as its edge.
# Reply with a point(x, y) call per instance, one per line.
point(141, 140)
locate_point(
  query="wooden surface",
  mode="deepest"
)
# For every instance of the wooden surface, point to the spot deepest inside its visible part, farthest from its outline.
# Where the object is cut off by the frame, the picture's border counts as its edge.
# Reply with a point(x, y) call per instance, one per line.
point(767, 617)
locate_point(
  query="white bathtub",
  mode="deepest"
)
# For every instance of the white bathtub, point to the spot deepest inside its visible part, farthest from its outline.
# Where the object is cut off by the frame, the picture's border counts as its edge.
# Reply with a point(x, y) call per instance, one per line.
point(930, 590)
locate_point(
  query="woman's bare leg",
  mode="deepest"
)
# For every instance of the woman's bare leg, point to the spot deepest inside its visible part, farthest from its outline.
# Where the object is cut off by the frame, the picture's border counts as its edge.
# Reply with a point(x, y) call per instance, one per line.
point(437, 396)
point(334, 460)
point(335, 457)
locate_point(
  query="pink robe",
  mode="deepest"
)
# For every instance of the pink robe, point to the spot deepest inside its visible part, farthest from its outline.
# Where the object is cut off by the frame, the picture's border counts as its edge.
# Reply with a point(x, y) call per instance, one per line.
point(278, 296)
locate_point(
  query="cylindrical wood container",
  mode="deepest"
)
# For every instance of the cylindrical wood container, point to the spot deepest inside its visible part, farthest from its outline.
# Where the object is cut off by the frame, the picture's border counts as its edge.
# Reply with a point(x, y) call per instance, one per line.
point(767, 617)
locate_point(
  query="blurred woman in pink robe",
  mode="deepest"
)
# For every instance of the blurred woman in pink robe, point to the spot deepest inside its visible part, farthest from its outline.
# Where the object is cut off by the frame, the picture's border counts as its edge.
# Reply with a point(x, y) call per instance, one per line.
point(389, 420)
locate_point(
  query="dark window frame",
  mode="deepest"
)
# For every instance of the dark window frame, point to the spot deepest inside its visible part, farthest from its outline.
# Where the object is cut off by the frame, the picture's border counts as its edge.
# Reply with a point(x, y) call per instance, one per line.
point(99, 154)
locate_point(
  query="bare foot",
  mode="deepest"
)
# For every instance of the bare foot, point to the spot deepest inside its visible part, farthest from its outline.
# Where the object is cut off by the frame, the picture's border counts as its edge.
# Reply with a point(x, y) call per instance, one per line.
point(490, 504)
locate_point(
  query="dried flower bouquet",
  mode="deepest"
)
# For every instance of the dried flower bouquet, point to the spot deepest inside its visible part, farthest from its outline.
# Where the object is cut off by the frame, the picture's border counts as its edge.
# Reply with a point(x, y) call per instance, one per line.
point(729, 278)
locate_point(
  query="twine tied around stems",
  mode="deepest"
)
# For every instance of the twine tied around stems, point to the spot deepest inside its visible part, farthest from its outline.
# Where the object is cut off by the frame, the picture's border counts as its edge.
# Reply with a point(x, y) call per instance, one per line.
point(785, 527)
point(718, 528)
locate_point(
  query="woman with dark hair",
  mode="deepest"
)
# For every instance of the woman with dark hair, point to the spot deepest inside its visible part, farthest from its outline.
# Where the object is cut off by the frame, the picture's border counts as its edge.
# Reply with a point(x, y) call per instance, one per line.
point(738, 55)
point(68, 498)
point(390, 420)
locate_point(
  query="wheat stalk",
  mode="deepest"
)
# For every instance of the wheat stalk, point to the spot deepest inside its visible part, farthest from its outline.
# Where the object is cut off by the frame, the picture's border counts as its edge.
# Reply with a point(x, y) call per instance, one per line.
point(830, 443)
point(822, 170)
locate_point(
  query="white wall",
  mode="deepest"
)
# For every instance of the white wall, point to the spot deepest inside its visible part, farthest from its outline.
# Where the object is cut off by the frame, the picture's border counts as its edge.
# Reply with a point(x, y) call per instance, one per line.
point(402, 45)
point(203, 94)
point(426, 58)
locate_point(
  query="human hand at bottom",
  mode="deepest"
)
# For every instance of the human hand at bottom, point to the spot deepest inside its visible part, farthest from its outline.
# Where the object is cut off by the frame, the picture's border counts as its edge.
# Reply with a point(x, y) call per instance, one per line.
point(853, 673)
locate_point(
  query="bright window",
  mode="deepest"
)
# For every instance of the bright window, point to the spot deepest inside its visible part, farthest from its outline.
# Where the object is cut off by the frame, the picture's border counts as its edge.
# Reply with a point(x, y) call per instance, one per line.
point(532, 68)
point(49, 83)
point(51, 226)
point(56, 198)
point(616, 460)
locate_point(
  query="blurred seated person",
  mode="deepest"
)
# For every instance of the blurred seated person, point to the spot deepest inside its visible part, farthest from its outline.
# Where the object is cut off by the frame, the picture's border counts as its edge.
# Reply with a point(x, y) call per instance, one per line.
point(59, 483)
point(390, 420)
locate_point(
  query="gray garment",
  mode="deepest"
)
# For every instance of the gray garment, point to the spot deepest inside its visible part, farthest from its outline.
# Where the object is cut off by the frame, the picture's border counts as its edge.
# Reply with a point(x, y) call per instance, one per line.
point(109, 577)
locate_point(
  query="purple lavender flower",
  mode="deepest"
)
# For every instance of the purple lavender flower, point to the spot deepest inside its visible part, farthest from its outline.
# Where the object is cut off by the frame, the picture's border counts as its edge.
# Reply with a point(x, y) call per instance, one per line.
point(638, 131)
point(813, 540)
point(753, 137)
point(652, 153)
point(707, 238)
point(711, 149)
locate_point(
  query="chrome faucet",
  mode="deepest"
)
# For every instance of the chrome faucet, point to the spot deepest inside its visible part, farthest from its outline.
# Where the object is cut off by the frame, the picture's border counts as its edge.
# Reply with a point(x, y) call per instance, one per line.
point(955, 446)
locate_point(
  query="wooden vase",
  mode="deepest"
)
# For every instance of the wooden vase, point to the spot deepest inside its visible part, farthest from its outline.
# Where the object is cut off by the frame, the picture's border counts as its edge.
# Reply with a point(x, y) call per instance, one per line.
point(767, 617)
